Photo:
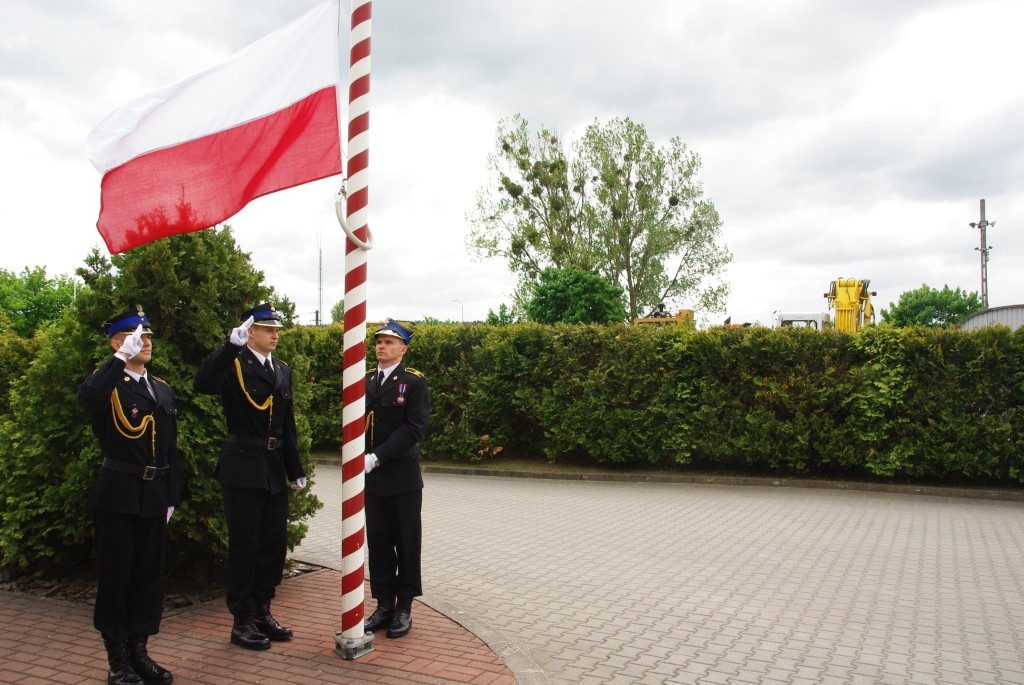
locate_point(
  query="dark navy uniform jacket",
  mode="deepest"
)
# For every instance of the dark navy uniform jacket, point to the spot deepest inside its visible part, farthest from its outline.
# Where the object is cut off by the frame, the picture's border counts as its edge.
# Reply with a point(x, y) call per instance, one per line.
point(245, 386)
point(397, 415)
point(138, 431)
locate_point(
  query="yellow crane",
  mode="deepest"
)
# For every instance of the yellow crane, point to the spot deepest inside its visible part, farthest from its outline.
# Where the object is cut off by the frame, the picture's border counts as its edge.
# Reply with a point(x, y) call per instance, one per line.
point(851, 299)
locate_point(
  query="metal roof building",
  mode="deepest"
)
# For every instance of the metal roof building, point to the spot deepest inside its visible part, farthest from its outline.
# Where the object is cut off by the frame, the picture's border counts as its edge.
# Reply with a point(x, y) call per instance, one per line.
point(1011, 315)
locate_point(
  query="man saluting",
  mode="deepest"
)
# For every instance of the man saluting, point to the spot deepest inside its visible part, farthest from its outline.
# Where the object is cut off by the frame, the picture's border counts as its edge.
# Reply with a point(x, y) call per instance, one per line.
point(132, 497)
point(260, 457)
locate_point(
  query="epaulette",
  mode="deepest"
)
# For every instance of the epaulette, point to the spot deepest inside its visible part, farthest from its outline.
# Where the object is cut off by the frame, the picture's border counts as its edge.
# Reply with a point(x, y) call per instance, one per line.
point(161, 380)
point(282, 363)
point(414, 372)
point(372, 372)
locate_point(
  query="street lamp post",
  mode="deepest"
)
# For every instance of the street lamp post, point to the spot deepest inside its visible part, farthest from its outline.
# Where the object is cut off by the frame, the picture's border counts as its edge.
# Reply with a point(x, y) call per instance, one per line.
point(462, 311)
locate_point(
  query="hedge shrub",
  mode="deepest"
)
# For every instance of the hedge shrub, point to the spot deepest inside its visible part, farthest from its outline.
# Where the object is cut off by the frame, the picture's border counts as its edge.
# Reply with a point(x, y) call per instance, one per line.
point(894, 403)
point(911, 404)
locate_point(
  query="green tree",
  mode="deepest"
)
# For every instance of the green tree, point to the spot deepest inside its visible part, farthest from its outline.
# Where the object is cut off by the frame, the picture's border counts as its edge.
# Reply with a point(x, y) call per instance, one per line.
point(15, 357)
point(285, 309)
point(503, 317)
point(574, 296)
point(930, 307)
point(338, 311)
point(193, 287)
point(30, 299)
point(617, 205)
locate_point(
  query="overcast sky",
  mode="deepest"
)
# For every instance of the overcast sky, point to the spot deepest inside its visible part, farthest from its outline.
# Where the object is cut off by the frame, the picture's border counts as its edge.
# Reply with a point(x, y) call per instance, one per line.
point(838, 138)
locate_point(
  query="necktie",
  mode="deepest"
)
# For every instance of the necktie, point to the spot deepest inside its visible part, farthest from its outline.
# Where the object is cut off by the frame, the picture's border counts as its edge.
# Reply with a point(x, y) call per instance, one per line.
point(268, 366)
point(380, 379)
point(145, 384)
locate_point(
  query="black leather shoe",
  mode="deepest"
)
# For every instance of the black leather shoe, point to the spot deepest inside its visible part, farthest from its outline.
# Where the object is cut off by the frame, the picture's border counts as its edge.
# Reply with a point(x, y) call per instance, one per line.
point(267, 625)
point(148, 670)
point(121, 671)
point(247, 635)
point(380, 618)
point(123, 676)
point(401, 623)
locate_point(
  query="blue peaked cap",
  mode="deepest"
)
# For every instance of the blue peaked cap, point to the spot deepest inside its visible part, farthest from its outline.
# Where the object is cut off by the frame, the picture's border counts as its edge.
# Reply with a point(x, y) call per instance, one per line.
point(263, 315)
point(128, 322)
point(392, 327)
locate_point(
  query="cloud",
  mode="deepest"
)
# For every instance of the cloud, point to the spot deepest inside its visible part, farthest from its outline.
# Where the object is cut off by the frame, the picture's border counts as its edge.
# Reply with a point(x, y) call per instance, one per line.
point(837, 139)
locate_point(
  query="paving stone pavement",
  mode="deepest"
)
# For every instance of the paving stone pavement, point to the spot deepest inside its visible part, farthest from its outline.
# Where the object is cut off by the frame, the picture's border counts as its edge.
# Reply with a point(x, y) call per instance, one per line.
point(573, 581)
point(47, 641)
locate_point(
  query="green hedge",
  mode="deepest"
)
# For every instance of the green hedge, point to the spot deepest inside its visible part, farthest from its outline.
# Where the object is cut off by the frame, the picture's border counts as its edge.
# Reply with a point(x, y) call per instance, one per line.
point(913, 404)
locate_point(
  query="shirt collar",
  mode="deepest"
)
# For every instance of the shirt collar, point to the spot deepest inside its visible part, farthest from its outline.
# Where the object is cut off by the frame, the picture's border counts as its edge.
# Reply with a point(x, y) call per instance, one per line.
point(259, 357)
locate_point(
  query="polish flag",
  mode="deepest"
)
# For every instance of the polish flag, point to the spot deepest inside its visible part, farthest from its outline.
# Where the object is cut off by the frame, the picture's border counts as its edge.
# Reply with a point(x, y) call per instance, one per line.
point(193, 154)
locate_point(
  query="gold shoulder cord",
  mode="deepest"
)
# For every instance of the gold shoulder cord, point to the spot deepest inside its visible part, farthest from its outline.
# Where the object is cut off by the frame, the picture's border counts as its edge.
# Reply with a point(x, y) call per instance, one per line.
point(124, 426)
point(368, 426)
point(268, 404)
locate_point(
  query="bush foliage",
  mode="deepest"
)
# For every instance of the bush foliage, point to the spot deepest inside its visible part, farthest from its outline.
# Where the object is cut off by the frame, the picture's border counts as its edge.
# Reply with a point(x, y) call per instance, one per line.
point(908, 404)
point(918, 404)
point(193, 288)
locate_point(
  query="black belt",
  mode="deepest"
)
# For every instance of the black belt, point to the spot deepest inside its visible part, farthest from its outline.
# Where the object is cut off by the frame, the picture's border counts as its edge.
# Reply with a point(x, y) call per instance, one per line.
point(143, 472)
point(270, 443)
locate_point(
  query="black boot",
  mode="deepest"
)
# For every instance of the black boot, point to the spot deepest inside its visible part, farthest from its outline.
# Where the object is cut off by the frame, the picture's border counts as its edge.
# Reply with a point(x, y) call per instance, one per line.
point(401, 624)
point(381, 616)
point(121, 671)
point(149, 670)
point(267, 625)
point(245, 634)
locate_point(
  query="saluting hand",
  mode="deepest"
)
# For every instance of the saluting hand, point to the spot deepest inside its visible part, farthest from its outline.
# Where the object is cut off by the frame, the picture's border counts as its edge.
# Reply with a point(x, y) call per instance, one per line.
point(132, 344)
point(240, 335)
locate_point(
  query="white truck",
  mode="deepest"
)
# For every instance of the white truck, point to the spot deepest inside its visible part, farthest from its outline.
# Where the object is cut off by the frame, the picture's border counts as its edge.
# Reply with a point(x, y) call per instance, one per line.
point(817, 320)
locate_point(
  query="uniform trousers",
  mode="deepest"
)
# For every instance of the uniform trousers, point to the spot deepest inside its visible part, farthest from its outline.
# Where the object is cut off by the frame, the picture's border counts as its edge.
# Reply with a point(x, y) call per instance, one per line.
point(257, 545)
point(394, 535)
point(130, 551)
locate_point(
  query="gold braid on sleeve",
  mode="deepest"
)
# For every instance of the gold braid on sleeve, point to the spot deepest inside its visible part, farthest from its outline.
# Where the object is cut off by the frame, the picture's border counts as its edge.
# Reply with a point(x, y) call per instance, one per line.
point(125, 427)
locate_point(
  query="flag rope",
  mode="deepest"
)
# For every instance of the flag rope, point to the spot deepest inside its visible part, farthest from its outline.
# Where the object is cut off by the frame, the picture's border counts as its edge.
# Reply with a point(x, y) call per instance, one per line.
point(339, 210)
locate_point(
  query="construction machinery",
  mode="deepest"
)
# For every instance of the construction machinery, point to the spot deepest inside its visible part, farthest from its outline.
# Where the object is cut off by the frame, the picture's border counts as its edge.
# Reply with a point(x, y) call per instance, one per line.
point(816, 320)
point(660, 317)
point(851, 299)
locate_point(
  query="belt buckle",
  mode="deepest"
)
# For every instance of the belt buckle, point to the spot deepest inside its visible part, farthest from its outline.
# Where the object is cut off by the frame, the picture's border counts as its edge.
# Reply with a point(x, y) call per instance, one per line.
point(149, 473)
point(271, 443)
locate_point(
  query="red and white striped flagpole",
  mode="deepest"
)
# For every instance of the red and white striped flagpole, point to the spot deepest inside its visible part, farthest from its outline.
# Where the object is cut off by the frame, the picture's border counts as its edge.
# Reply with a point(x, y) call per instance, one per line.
point(351, 640)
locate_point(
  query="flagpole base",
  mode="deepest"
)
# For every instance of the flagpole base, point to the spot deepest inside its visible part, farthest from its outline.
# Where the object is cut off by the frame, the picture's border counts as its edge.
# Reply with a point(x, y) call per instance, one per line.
point(349, 648)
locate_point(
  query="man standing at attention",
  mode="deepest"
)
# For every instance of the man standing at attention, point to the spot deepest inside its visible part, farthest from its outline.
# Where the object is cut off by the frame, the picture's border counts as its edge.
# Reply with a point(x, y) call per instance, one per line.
point(397, 414)
point(132, 497)
point(259, 459)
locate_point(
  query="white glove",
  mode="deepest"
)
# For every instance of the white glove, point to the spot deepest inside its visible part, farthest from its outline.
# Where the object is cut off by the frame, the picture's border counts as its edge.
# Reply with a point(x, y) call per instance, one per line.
point(240, 335)
point(170, 510)
point(132, 345)
point(370, 462)
point(299, 483)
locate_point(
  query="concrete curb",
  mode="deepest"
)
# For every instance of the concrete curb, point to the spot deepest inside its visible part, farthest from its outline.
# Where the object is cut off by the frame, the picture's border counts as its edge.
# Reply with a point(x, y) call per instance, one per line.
point(553, 473)
point(929, 490)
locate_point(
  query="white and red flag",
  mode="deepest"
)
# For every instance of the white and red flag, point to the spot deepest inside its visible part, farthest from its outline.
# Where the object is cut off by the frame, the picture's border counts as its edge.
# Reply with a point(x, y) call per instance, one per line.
point(193, 154)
